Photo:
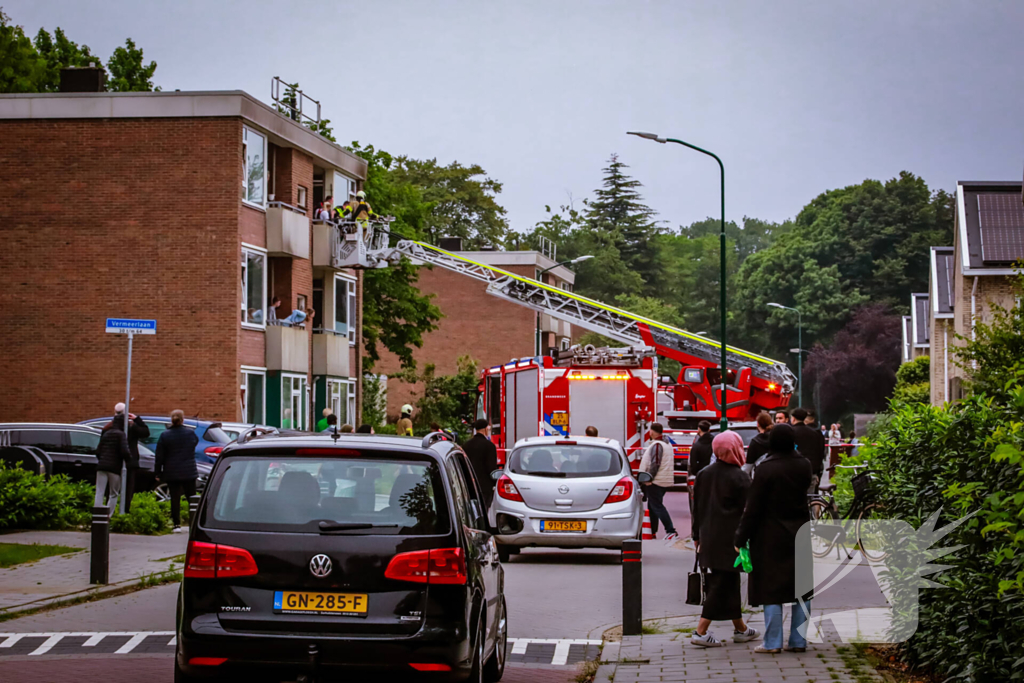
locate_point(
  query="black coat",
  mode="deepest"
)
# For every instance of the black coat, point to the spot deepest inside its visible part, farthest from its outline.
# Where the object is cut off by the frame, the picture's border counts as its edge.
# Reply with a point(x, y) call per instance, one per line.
point(483, 456)
point(112, 452)
point(758, 447)
point(776, 509)
point(811, 444)
point(720, 495)
point(137, 429)
point(176, 454)
point(700, 454)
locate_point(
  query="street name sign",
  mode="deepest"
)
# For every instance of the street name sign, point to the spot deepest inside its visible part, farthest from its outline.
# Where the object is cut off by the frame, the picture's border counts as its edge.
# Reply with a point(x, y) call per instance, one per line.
point(129, 326)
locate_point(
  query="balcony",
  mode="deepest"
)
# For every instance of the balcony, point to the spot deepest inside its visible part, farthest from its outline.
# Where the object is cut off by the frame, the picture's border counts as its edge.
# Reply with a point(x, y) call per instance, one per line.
point(330, 353)
point(287, 348)
point(287, 231)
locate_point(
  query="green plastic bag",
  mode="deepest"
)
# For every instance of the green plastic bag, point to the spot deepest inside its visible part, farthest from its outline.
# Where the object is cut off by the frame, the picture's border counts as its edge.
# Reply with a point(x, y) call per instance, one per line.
point(744, 560)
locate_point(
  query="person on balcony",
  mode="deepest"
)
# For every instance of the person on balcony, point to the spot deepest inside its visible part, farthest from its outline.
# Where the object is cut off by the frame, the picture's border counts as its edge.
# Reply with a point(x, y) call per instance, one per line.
point(324, 212)
point(272, 311)
point(343, 213)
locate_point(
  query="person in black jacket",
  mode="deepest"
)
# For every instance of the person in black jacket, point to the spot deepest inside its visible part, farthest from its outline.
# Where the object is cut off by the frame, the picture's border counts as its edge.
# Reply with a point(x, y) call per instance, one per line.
point(111, 454)
point(483, 456)
point(137, 429)
point(700, 456)
point(811, 445)
point(776, 510)
point(176, 463)
point(720, 494)
point(759, 444)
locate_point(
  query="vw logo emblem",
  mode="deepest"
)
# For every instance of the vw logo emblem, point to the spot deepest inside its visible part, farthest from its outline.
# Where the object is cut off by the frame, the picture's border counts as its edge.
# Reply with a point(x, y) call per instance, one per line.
point(320, 566)
point(563, 489)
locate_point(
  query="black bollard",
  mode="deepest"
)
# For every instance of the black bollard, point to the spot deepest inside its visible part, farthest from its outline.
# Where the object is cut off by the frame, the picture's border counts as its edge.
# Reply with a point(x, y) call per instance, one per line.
point(632, 588)
point(99, 560)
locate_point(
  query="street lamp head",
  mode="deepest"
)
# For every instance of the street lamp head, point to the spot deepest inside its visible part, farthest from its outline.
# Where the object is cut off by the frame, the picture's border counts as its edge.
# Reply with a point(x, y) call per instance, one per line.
point(648, 136)
point(578, 259)
point(796, 350)
point(774, 305)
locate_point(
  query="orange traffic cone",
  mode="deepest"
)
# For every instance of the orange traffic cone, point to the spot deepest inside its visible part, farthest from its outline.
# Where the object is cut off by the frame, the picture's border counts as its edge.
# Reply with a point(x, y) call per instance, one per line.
point(648, 536)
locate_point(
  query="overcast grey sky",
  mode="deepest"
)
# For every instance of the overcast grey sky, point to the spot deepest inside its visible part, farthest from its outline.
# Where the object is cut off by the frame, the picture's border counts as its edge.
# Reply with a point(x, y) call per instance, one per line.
point(796, 97)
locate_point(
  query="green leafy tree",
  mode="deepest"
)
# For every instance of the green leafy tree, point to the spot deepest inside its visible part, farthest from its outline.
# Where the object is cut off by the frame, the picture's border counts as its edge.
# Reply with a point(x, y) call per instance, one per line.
point(22, 69)
point(447, 399)
point(128, 71)
point(913, 381)
point(994, 359)
point(59, 52)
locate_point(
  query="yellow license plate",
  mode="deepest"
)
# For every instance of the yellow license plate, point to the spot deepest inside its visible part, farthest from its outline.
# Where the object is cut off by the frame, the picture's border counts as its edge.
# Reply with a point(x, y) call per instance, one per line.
point(345, 604)
point(578, 525)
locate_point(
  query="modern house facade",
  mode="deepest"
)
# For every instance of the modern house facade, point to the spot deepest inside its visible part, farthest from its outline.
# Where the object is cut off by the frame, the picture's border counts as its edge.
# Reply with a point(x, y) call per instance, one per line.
point(191, 208)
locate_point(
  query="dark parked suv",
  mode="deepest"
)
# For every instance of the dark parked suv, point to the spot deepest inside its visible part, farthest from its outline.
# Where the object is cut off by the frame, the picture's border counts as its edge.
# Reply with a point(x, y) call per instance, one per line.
point(319, 556)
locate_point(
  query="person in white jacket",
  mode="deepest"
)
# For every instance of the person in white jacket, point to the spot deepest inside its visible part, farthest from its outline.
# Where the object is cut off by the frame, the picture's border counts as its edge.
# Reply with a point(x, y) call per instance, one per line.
point(658, 461)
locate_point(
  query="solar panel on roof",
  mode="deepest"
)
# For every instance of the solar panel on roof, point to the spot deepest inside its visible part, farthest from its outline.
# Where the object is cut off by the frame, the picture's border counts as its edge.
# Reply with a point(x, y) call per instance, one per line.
point(1001, 219)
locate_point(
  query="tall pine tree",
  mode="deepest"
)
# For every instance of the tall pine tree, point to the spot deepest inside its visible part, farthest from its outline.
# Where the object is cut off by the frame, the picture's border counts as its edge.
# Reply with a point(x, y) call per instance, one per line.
point(618, 212)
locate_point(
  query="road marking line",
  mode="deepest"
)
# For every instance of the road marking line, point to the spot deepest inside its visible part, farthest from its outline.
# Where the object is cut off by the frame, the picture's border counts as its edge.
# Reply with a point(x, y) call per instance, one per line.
point(47, 645)
point(94, 640)
point(519, 645)
point(12, 638)
point(561, 653)
point(173, 641)
point(132, 643)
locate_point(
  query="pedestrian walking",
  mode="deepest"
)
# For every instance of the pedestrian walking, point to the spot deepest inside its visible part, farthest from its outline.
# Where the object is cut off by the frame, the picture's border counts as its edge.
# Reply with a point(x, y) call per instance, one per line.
point(483, 456)
point(321, 425)
point(404, 426)
point(720, 495)
point(137, 429)
point(700, 456)
point(811, 444)
point(759, 447)
point(111, 455)
point(658, 461)
point(176, 463)
point(330, 422)
point(776, 509)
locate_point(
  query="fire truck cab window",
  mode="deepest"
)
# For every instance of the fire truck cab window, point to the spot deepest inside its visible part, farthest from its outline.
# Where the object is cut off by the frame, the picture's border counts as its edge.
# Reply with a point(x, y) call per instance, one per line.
point(494, 402)
point(693, 376)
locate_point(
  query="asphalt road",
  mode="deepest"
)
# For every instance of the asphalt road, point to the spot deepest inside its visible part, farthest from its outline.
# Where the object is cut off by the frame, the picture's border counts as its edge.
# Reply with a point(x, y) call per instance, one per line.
point(558, 600)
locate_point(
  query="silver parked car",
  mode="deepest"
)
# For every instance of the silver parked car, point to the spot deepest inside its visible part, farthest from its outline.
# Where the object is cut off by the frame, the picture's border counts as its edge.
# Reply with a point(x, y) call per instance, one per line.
point(558, 492)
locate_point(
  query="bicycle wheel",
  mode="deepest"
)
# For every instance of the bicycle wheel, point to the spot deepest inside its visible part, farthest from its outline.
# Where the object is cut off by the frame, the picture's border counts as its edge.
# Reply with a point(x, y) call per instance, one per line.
point(825, 528)
point(870, 541)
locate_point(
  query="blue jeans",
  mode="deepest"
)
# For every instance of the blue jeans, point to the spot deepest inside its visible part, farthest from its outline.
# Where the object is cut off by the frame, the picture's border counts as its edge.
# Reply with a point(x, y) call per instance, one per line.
point(797, 628)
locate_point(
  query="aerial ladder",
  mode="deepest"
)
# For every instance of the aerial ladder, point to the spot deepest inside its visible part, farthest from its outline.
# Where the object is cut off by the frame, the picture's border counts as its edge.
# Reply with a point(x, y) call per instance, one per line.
point(753, 383)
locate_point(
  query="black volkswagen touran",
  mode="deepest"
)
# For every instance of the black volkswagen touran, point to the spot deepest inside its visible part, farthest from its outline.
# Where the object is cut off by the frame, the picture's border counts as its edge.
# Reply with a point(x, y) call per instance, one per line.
point(317, 557)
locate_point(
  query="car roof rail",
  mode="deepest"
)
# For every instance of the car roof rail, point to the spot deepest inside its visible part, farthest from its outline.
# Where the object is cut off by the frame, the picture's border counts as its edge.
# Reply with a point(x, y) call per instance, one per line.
point(436, 437)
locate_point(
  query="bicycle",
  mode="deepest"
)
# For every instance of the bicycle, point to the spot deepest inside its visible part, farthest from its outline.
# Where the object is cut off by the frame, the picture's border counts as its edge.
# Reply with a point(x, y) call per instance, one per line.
point(825, 518)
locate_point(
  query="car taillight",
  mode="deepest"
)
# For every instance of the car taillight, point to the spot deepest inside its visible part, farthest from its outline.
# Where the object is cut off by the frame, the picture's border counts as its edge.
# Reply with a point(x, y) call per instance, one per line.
point(506, 489)
point(213, 451)
point(437, 566)
point(622, 491)
point(215, 561)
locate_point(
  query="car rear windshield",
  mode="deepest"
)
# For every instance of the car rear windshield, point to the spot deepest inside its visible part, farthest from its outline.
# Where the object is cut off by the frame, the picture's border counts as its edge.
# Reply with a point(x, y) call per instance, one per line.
point(565, 461)
point(327, 494)
point(217, 435)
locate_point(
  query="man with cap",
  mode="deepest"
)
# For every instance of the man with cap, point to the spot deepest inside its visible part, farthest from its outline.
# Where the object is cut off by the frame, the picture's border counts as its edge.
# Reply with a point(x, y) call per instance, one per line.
point(404, 426)
point(137, 429)
point(483, 456)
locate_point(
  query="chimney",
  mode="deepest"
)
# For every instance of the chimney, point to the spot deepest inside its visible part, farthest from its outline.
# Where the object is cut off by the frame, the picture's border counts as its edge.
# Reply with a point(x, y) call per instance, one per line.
point(450, 243)
point(83, 79)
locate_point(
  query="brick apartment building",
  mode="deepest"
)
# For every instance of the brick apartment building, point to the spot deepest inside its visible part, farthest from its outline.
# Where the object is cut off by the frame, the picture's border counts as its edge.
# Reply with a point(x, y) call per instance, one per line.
point(489, 330)
point(974, 275)
point(193, 208)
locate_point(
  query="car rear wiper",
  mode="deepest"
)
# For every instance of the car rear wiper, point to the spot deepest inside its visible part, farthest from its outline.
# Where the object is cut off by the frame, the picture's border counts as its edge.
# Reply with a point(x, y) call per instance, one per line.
point(556, 475)
point(327, 527)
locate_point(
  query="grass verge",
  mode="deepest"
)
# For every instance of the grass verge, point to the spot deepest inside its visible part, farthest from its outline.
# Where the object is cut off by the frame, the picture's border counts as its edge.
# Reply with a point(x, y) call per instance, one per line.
point(18, 553)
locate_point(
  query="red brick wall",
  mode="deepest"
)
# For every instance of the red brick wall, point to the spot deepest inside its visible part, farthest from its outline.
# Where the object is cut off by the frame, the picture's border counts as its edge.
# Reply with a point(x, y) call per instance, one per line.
point(127, 218)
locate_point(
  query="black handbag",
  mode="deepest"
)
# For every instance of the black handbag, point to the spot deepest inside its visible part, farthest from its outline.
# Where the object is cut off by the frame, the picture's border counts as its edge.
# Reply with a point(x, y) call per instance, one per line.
point(695, 586)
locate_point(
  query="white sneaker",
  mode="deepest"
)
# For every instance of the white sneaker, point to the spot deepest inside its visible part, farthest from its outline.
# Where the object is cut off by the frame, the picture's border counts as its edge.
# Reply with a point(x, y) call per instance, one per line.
point(671, 537)
point(706, 640)
point(176, 530)
point(745, 636)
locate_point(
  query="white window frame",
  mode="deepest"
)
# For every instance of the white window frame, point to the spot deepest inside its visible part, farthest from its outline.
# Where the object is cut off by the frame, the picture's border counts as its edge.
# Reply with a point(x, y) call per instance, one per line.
point(303, 399)
point(248, 370)
point(246, 130)
point(349, 396)
point(246, 250)
point(349, 303)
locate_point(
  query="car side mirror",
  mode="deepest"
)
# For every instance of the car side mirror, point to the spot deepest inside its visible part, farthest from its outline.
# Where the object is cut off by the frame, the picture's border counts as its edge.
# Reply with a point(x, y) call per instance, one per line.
point(644, 477)
point(496, 474)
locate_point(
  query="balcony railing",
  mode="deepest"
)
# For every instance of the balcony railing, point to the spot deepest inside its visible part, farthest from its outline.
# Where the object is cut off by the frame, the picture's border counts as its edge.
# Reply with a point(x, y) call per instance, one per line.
point(287, 230)
point(287, 348)
point(346, 244)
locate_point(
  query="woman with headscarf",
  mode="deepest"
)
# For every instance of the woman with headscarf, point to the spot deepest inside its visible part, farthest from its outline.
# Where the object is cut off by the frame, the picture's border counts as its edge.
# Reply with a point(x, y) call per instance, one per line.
point(776, 510)
point(720, 493)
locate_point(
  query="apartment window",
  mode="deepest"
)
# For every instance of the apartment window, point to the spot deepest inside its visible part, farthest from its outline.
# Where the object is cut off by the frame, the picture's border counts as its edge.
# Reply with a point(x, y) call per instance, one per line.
point(301, 199)
point(254, 395)
point(564, 343)
point(293, 401)
point(254, 169)
point(565, 286)
point(341, 399)
point(254, 287)
point(345, 307)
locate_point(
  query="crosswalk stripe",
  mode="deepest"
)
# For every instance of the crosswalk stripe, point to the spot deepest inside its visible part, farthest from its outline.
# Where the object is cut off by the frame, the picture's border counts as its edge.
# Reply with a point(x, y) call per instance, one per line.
point(47, 645)
point(12, 638)
point(94, 640)
point(561, 652)
point(132, 643)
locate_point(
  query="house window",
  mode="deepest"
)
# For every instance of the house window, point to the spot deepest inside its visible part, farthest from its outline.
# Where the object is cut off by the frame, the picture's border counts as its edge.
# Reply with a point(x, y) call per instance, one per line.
point(564, 343)
point(254, 171)
point(293, 401)
point(345, 308)
point(254, 287)
point(341, 399)
point(254, 395)
point(301, 199)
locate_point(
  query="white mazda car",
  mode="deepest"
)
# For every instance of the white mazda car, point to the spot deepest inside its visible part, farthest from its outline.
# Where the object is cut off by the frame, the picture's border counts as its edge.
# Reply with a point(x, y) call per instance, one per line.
point(566, 492)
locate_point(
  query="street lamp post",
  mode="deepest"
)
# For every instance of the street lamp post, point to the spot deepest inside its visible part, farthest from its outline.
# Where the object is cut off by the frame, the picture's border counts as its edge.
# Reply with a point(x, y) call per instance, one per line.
point(800, 348)
point(578, 259)
point(721, 166)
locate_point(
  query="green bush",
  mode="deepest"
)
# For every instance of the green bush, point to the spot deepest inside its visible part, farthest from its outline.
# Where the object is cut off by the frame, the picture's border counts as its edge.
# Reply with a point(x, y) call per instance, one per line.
point(31, 501)
point(147, 516)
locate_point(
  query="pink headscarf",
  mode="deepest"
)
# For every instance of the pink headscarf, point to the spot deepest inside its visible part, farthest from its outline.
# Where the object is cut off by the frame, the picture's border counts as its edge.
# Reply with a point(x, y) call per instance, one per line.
point(728, 447)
